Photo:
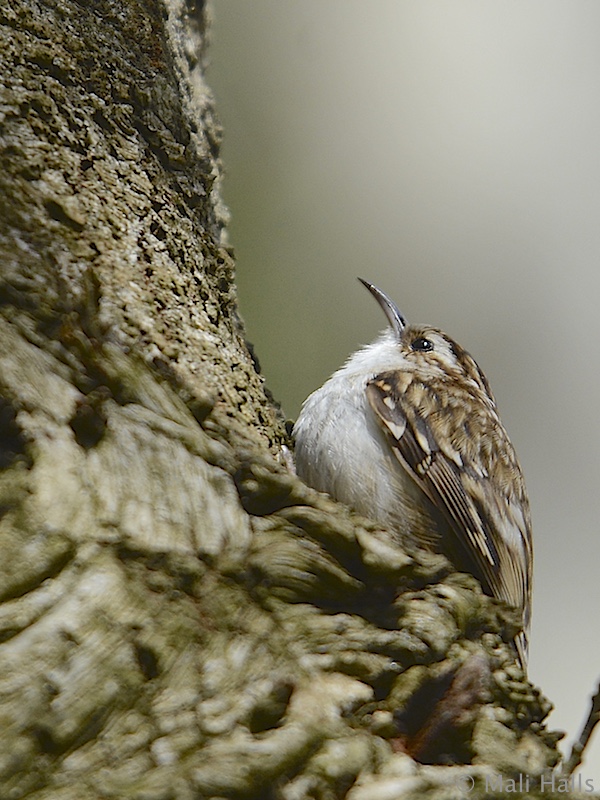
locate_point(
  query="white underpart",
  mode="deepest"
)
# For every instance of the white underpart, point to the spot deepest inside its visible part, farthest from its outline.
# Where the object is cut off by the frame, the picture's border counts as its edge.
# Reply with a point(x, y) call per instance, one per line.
point(340, 447)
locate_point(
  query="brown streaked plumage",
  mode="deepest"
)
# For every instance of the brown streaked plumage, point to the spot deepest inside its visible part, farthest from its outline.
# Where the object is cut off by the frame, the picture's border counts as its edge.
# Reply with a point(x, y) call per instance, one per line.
point(431, 457)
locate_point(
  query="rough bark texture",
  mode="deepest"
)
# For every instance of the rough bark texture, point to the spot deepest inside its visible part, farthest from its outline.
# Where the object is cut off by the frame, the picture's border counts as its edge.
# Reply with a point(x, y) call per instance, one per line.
point(181, 617)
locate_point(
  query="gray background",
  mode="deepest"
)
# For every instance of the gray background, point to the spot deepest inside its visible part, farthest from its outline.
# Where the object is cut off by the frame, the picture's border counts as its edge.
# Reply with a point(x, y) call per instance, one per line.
point(448, 152)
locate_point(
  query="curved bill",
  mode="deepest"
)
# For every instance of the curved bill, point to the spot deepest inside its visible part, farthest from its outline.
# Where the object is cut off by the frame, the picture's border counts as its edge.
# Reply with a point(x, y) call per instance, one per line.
point(394, 317)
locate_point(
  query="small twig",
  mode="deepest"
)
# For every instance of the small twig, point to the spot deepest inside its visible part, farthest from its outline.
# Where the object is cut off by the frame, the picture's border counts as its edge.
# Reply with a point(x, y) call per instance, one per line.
point(577, 750)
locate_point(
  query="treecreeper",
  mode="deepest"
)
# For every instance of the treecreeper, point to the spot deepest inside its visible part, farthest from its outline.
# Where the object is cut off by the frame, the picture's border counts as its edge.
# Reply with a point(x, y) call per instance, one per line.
point(407, 433)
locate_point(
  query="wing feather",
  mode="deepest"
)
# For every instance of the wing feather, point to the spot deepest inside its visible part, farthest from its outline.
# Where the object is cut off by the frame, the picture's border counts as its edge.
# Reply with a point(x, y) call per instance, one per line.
point(489, 533)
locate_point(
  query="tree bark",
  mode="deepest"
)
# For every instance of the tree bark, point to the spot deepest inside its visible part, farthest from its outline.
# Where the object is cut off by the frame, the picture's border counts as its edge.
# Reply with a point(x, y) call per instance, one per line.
point(181, 617)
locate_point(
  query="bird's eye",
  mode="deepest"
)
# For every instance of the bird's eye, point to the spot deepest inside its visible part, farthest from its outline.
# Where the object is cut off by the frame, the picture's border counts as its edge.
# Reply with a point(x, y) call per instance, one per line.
point(420, 343)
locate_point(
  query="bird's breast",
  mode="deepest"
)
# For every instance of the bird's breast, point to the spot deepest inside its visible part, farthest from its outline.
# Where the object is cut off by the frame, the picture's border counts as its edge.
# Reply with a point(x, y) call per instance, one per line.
point(341, 450)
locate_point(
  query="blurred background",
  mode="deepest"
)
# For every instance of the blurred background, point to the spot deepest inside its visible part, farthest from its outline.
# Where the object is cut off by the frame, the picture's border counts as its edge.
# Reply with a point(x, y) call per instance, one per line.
point(450, 153)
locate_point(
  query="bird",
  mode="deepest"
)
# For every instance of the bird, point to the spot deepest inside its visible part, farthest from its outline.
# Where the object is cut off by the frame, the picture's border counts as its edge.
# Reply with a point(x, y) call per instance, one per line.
point(407, 433)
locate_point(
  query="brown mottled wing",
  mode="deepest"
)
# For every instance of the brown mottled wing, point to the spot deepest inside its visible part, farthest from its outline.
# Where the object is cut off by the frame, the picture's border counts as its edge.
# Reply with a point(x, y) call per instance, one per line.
point(487, 512)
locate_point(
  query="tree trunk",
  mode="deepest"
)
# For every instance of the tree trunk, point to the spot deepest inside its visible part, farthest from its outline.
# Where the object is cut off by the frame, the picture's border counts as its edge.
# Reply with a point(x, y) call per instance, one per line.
point(181, 617)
